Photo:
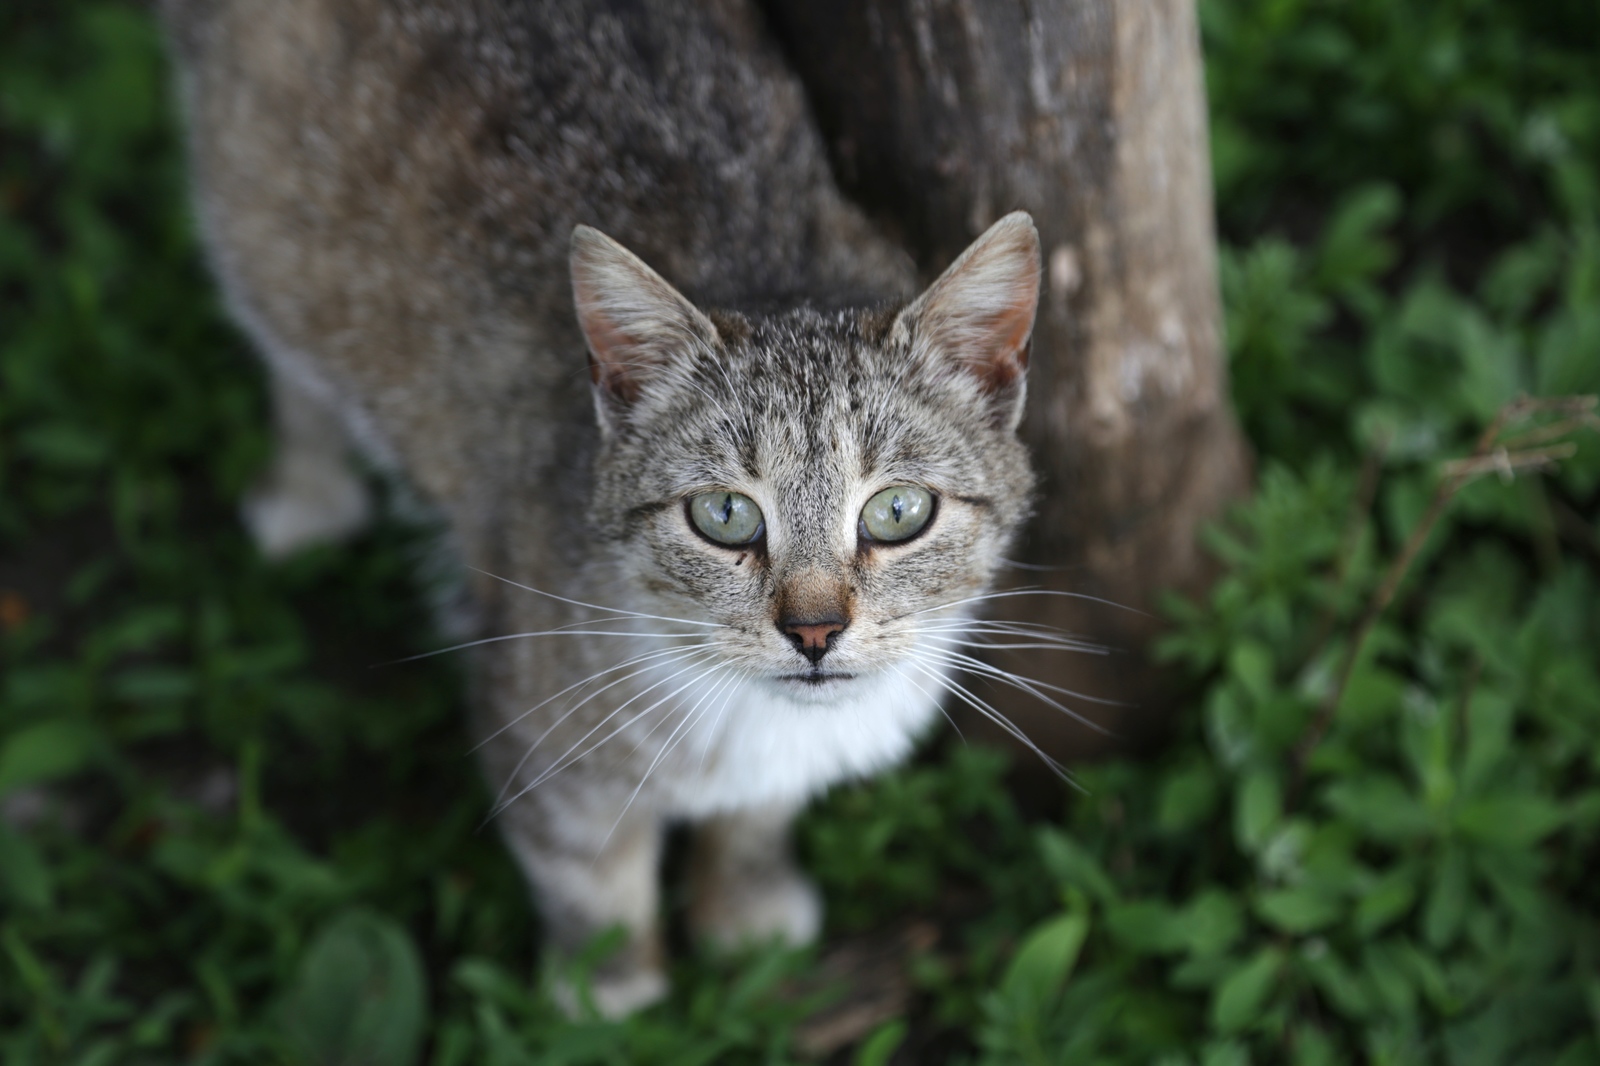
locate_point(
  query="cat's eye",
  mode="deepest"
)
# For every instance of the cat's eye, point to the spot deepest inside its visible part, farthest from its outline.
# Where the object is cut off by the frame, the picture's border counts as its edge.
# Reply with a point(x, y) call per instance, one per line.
point(726, 518)
point(897, 513)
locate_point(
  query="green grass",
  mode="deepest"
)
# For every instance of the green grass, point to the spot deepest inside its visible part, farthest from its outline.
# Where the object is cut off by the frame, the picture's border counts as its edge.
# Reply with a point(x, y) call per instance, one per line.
point(230, 840)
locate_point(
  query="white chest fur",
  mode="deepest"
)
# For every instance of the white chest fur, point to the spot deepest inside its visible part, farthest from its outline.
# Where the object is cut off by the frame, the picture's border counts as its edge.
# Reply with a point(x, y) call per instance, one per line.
point(763, 746)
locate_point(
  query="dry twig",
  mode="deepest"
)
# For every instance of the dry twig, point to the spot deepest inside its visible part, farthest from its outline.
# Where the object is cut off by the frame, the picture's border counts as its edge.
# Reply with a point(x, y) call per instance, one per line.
point(1492, 455)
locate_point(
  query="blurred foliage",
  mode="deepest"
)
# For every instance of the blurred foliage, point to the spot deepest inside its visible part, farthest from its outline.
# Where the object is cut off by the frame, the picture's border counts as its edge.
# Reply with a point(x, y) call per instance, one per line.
point(227, 840)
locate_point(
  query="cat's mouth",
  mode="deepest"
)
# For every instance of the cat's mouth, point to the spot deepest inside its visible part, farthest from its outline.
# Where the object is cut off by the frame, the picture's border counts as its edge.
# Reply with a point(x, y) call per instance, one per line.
point(816, 677)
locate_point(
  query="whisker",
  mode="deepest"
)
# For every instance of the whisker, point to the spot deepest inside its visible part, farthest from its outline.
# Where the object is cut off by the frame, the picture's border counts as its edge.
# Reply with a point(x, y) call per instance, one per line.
point(998, 719)
point(560, 762)
point(1010, 593)
point(1089, 649)
point(621, 729)
point(997, 623)
point(716, 723)
point(660, 653)
point(704, 697)
point(671, 743)
point(596, 606)
point(1018, 565)
point(1013, 641)
point(990, 629)
point(560, 631)
point(563, 761)
point(937, 702)
point(1025, 684)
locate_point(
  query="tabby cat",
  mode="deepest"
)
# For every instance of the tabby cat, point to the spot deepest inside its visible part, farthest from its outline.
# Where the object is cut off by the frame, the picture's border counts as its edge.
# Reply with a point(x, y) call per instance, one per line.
point(730, 562)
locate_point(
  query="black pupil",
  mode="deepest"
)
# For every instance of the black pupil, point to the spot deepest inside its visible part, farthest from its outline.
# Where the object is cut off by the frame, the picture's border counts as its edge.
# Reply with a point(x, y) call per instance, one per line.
point(898, 508)
point(727, 509)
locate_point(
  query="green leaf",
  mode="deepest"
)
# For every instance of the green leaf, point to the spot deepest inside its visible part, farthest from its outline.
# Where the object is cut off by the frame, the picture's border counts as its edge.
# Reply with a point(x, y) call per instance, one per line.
point(1386, 901)
point(1489, 721)
point(1345, 989)
point(1353, 254)
point(45, 752)
point(1382, 806)
point(359, 998)
point(1509, 821)
point(152, 684)
point(1387, 972)
point(1040, 968)
point(1250, 663)
point(1225, 1053)
point(1257, 809)
point(1240, 998)
point(1313, 1047)
point(1431, 979)
point(65, 445)
point(1072, 864)
point(1298, 910)
point(1212, 922)
point(23, 873)
point(1447, 899)
point(1147, 927)
point(879, 1048)
point(1188, 798)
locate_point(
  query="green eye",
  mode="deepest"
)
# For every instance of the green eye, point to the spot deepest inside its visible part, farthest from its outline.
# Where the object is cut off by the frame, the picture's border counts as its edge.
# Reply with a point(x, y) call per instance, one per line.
point(899, 513)
point(725, 518)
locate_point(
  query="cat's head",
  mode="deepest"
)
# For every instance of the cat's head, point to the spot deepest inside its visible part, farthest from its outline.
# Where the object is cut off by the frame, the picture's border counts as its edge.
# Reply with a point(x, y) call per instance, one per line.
point(829, 489)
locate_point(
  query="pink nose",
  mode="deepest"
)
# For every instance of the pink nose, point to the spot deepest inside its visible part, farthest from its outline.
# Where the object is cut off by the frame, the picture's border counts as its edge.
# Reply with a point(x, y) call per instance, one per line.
point(813, 639)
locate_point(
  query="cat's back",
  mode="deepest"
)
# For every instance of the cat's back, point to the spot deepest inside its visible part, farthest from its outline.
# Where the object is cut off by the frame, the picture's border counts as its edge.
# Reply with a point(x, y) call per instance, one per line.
point(349, 143)
point(388, 188)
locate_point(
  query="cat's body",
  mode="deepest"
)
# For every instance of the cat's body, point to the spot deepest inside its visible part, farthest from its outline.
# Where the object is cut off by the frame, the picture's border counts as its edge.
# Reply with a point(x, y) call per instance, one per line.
point(390, 190)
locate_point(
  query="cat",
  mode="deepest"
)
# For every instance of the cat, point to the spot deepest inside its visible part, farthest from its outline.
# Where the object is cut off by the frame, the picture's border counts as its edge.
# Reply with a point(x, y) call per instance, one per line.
point(722, 536)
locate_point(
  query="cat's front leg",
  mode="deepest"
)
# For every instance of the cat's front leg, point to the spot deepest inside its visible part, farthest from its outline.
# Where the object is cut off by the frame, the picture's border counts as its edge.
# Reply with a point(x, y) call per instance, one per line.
point(587, 878)
point(745, 886)
point(312, 493)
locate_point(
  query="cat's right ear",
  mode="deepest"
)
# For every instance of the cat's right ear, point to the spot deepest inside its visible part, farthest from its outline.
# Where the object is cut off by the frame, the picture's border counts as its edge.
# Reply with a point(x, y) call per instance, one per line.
point(978, 316)
point(634, 322)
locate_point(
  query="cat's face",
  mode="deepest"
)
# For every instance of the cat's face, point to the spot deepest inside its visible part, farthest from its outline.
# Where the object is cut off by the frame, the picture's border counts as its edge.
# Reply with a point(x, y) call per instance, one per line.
point(829, 492)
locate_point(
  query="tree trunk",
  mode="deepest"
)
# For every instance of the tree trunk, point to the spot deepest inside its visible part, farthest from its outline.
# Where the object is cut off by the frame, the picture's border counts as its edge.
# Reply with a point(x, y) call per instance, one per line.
point(941, 116)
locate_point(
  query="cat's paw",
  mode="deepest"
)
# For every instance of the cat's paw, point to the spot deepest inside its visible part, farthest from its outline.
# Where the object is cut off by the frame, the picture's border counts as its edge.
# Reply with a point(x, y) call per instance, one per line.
point(782, 905)
point(306, 501)
point(614, 995)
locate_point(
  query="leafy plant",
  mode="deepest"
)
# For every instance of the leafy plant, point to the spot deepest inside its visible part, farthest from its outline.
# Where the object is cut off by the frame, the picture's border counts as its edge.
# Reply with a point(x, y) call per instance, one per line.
point(223, 838)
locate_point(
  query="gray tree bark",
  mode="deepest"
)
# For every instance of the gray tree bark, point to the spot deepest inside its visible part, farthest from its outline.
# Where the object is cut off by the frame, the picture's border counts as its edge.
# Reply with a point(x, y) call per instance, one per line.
point(943, 115)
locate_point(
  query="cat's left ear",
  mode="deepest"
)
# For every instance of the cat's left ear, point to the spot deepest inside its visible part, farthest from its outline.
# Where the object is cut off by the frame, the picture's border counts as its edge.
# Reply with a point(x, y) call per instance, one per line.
point(635, 323)
point(979, 314)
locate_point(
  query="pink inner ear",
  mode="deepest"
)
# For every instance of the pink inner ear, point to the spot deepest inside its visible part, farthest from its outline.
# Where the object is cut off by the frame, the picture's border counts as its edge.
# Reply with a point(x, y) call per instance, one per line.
point(981, 310)
point(608, 349)
point(1011, 334)
point(632, 320)
point(1002, 357)
point(613, 378)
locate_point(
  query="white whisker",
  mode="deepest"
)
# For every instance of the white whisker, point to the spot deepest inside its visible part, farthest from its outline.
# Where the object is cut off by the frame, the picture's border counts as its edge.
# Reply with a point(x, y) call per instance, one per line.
point(937, 625)
point(1028, 647)
point(561, 631)
point(659, 653)
point(1018, 565)
point(596, 606)
point(936, 701)
point(716, 723)
point(1024, 684)
point(1010, 593)
point(1026, 639)
point(704, 696)
point(561, 762)
point(671, 742)
point(997, 718)
point(1009, 641)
